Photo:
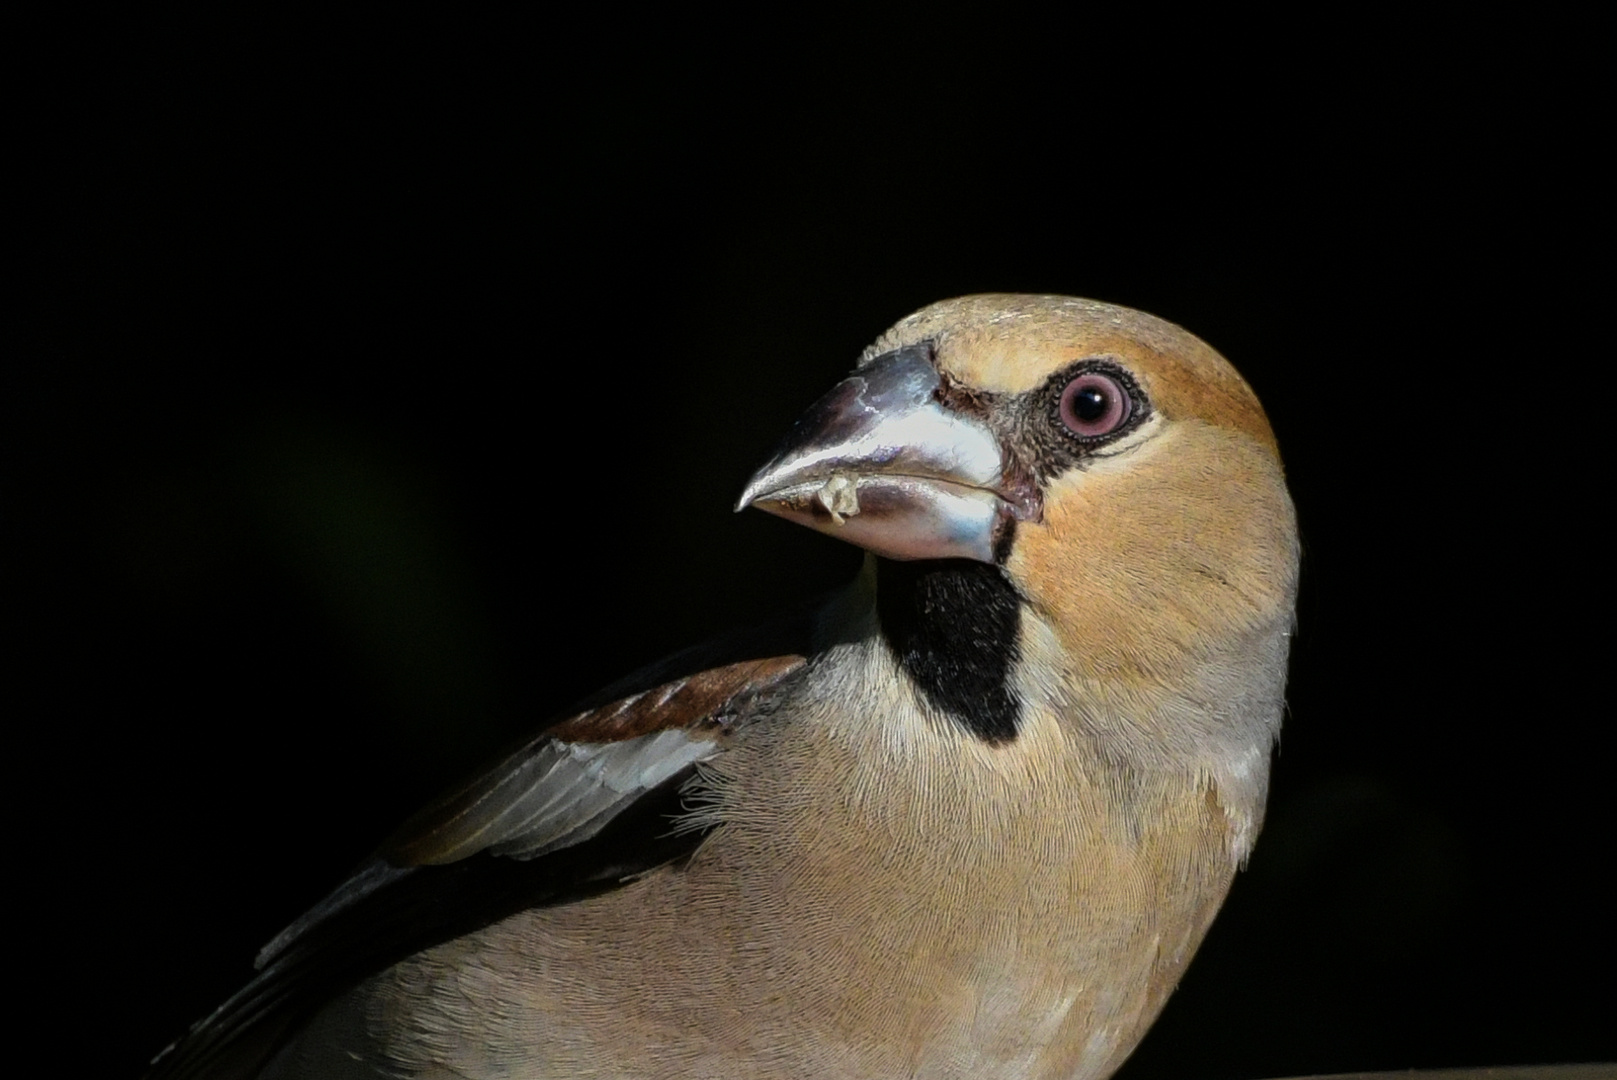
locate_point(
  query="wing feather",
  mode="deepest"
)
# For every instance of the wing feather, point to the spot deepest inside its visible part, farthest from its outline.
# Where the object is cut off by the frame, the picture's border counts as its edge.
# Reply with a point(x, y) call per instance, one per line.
point(614, 752)
point(580, 808)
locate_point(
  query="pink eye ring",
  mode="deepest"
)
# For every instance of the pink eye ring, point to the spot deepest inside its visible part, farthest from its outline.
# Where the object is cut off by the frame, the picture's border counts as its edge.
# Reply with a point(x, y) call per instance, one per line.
point(1094, 404)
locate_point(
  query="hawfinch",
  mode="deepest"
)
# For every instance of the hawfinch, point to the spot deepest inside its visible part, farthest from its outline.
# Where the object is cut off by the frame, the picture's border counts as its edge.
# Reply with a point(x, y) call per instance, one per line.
point(968, 818)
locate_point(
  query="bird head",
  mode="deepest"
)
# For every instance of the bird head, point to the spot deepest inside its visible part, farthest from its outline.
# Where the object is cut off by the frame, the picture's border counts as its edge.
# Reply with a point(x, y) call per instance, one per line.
point(1116, 468)
point(1118, 475)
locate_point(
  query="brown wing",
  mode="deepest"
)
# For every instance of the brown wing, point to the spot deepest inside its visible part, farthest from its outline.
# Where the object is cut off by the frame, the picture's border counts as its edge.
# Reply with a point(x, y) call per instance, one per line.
point(561, 787)
point(577, 810)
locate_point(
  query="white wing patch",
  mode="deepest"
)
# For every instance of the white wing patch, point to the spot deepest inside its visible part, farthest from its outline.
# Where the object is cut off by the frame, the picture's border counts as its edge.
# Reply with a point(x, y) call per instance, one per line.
point(588, 784)
point(557, 796)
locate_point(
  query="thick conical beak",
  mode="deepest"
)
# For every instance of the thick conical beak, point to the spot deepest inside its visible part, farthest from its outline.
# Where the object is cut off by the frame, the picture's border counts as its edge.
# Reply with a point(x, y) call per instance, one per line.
point(880, 462)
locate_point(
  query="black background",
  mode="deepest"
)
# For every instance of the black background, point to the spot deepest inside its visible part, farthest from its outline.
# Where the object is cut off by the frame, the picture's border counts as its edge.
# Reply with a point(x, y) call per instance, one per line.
point(382, 386)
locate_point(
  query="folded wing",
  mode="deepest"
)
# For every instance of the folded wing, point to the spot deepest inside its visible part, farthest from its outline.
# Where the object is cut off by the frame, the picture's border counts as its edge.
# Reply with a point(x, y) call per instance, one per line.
point(579, 809)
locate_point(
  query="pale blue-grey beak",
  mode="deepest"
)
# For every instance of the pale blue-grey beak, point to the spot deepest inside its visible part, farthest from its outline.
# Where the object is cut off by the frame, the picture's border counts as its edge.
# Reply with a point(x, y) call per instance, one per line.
point(882, 463)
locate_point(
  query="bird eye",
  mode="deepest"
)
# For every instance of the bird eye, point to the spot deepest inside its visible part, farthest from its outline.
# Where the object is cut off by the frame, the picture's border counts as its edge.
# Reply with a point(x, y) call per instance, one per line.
point(1095, 404)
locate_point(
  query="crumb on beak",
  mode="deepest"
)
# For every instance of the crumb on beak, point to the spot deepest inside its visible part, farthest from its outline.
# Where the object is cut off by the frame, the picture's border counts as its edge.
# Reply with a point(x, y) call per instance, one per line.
point(840, 496)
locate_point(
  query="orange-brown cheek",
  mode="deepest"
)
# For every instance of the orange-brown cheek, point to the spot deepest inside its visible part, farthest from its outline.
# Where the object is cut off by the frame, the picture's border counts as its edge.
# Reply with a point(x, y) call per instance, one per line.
point(1075, 575)
point(1162, 552)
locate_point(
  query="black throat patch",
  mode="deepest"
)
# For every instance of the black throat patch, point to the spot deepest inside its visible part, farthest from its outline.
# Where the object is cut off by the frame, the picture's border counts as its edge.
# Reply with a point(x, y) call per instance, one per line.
point(954, 625)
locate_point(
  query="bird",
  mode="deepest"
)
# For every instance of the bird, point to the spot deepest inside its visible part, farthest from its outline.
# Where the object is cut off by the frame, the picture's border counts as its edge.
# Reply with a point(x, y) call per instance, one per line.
point(968, 817)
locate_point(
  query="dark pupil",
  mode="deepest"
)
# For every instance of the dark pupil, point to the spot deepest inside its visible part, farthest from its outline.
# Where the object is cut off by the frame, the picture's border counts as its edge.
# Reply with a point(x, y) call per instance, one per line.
point(1089, 404)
